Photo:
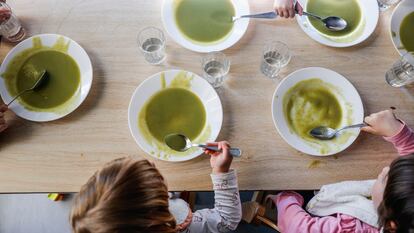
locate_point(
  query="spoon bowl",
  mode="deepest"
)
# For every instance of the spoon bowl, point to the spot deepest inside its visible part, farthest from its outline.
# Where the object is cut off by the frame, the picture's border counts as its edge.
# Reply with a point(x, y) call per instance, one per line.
point(326, 133)
point(333, 23)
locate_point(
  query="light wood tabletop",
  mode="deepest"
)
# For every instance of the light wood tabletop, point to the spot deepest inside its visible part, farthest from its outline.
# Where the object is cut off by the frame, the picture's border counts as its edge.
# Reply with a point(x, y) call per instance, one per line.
point(60, 156)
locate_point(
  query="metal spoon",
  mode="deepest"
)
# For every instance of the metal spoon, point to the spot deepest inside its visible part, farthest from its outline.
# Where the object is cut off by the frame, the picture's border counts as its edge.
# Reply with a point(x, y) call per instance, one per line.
point(185, 144)
point(267, 15)
point(333, 23)
point(326, 133)
point(38, 83)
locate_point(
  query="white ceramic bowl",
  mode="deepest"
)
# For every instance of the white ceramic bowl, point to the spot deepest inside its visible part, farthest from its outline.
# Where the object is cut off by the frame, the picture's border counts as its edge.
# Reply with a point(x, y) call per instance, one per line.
point(152, 85)
point(86, 75)
point(344, 91)
point(403, 9)
point(370, 16)
point(240, 27)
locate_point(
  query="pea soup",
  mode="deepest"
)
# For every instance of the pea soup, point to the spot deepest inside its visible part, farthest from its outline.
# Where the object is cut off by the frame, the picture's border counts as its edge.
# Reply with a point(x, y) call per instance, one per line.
point(310, 104)
point(204, 21)
point(349, 10)
point(61, 84)
point(407, 32)
point(175, 110)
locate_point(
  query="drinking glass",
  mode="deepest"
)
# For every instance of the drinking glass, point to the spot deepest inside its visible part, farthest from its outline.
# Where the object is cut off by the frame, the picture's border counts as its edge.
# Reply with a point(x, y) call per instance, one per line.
point(276, 55)
point(386, 4)
point(402, 72)
point(151, 41)
point(10, 27)
point(215, 67)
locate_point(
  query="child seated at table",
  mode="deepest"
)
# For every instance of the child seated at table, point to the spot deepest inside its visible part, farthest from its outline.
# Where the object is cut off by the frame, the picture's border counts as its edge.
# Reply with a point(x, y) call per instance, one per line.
point(3, 123)
point(287, 8)
point(128, 195)
point(347, 207)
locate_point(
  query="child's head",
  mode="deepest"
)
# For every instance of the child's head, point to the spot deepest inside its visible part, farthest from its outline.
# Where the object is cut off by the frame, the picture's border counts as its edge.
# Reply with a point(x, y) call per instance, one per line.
point(124, 196)
point(393, 195)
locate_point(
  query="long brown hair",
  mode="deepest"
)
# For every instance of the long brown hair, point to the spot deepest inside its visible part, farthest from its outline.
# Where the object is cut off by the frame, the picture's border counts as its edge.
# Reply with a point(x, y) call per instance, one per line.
point(126, 195)
point(398, 202)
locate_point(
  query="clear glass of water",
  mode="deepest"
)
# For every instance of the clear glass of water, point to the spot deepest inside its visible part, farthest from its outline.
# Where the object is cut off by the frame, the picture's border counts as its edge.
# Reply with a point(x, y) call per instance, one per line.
point(402, 72)
point(386, 4)
point(276, 55)
point(10, 27)
point(215, 67)
point(151, 42)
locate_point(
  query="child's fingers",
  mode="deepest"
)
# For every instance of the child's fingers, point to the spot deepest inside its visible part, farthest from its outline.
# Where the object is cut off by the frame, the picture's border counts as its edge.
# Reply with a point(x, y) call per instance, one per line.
point(291, 12)
point(212, 143)
point(299, 9)
point(368, 129)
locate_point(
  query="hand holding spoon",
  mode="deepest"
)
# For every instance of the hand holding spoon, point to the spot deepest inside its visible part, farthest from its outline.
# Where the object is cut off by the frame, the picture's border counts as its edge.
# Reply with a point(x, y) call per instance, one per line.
point(36, 85)
point(326, 133)
point(181, 143)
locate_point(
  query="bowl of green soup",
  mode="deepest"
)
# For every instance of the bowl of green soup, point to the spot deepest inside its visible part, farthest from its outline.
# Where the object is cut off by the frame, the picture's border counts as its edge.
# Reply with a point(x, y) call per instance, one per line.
point(313, 97)
point(402, 27)
point(361, 15)
point(205, 25)
point(69, 77)
point(171, 102)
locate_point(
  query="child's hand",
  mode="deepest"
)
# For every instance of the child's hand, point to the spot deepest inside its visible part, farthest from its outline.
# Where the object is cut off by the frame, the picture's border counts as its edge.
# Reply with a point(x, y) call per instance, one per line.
point(220, 161)
point(286, 8)
point(3, 124)
point(383, 123)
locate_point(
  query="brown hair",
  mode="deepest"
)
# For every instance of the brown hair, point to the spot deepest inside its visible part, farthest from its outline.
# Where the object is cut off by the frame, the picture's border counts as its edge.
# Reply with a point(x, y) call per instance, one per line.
point(398, 201)
point(126, 195)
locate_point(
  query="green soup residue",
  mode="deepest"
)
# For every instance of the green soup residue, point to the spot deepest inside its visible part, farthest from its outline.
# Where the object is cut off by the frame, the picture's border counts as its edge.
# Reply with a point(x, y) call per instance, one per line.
point(346, 9)
point(61, 84)
point(204, 21)
point(175, 110)
point(407, 32)
point(310, 104)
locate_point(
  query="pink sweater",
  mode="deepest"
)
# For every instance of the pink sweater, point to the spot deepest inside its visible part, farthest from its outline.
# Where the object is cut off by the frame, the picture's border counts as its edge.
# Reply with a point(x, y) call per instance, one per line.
point(292, 218)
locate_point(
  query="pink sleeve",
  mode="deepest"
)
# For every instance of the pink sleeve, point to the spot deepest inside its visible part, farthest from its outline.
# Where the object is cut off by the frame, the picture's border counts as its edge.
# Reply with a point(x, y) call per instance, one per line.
point(292, 218)
point(403, 141)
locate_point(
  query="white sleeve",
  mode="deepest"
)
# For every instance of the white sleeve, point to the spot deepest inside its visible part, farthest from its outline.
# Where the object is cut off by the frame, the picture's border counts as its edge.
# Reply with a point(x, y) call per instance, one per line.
point(226, 214)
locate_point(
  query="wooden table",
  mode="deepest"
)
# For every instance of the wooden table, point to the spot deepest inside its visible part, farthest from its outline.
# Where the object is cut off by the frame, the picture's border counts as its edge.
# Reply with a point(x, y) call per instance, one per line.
point(62, 155)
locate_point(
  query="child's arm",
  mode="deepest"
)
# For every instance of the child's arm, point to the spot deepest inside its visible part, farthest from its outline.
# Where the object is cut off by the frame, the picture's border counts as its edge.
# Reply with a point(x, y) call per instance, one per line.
point(393, 130)
point(226, 214)
point(292, 218)
point(3, 124)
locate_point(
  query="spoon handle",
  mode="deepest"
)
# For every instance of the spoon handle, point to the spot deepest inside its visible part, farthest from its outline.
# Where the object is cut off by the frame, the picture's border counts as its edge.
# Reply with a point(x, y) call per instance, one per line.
point(267, 15)
point(311, 15)
point(355, 126)
point(17, 96)
point(235, 152)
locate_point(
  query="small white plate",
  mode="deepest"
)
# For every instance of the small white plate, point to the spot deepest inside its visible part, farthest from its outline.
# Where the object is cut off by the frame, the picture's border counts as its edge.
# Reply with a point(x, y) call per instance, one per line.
point(239, 29)
point(403, 9)
point(152, 85)
point(347, 96)
point(86, 75)
point(370, 16)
